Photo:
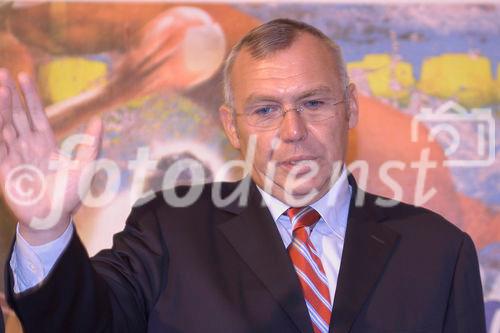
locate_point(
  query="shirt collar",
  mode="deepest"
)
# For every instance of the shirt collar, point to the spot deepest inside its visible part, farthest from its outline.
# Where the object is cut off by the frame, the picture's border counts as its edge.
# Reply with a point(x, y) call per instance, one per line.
point(332, 207)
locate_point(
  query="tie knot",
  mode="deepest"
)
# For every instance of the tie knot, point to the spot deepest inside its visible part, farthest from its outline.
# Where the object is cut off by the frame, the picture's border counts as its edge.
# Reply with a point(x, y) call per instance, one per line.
point(303, 216)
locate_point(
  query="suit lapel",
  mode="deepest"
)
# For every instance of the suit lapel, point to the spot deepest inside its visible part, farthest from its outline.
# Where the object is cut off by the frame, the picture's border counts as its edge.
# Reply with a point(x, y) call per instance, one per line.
point(368, 245)
point(254, 236)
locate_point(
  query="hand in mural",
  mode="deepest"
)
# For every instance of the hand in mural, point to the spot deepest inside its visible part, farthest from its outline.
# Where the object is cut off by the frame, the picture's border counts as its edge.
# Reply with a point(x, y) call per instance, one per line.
point(40, 182)
point(176, 50)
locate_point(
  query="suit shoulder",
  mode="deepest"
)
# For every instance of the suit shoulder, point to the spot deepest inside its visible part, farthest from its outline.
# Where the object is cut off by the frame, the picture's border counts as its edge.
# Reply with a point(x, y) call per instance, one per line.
point(407, 218)
point(184, 197)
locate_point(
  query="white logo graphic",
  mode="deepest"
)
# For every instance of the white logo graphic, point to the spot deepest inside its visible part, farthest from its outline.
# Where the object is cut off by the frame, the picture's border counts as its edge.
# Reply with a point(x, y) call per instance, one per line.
point(447, 120)
point(25, 185)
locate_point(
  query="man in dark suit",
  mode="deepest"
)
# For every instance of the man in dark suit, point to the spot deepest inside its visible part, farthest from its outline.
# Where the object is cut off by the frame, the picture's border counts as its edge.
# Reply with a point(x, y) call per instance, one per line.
point(294, 247)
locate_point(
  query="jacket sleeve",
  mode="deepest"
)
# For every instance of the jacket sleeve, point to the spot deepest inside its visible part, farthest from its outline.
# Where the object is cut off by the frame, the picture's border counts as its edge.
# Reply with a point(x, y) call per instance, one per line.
point(112, 292)
point(2, 327)
point(465, 311)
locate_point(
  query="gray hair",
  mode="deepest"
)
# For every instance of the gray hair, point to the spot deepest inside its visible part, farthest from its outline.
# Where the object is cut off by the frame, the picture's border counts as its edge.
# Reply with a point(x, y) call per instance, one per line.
point(274, 36)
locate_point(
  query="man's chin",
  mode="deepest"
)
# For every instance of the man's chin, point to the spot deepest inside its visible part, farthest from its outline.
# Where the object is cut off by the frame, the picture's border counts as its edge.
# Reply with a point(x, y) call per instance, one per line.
point(300, 195)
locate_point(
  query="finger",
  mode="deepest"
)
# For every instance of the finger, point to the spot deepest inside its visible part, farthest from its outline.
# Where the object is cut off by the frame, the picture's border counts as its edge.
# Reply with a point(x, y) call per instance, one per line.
point(4, 89)
point(9, 135)
point(34, 103)
point(7, 132)
point(16, 112)
point(4, 152)
point(4, 105)
point(87, 153)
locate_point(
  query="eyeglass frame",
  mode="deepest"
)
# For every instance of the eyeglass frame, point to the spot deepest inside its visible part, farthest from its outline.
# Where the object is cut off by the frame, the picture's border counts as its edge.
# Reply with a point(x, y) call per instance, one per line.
point(283, 111)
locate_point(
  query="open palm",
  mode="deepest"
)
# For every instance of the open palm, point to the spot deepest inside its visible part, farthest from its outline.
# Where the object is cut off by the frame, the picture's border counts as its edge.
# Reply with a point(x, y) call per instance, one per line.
point(39, 181)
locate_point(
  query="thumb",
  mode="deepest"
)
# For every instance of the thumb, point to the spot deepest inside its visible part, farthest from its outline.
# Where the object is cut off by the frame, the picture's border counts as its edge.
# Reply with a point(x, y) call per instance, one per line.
point(94, 129)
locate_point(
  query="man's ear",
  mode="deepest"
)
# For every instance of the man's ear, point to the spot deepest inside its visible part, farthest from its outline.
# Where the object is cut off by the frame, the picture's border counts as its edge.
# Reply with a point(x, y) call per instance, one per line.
point(228, 120)
point(353, 106)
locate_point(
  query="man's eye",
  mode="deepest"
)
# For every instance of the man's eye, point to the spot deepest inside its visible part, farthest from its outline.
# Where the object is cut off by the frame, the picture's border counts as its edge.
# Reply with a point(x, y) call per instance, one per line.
point(313, 104)
point(265, 110)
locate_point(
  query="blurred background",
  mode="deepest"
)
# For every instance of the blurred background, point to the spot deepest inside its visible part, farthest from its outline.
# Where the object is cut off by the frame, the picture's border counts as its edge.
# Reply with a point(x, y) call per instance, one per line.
point(152, 71)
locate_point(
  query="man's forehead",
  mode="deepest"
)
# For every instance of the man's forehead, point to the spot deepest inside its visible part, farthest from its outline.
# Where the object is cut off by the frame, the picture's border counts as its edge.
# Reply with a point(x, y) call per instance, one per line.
point(296, 92)
point(307, 46)
point(306, 54)
point(287, 72)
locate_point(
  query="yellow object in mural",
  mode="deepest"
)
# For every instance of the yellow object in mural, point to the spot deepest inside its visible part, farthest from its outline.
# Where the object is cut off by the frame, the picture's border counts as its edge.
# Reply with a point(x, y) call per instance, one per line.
point(497, 89)
point(386, 76)
point(67, 77)
point(466, 78)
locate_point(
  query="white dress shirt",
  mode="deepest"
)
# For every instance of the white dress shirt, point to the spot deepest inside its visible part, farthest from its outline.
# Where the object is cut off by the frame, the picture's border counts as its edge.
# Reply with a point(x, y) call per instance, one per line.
point(31, 264)
point(327, 235)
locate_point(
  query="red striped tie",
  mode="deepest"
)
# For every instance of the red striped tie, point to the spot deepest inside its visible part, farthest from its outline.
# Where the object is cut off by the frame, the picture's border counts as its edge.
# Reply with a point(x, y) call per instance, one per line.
point(309, 269)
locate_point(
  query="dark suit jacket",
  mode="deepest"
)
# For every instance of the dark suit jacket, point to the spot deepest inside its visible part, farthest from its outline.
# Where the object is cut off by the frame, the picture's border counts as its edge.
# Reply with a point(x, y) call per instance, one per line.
point(2, 327)
point(211, 269)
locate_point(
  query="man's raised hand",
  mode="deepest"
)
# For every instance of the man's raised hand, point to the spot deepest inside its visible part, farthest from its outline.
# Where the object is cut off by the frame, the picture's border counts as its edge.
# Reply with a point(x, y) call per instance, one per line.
point(41, 183)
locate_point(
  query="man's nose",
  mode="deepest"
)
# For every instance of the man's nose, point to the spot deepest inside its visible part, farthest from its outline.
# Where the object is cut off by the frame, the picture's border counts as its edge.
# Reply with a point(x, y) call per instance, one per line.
point(293, 126)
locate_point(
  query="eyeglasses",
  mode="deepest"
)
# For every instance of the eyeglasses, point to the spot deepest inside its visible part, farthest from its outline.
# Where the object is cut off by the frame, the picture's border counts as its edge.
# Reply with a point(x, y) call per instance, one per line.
point(270, 116)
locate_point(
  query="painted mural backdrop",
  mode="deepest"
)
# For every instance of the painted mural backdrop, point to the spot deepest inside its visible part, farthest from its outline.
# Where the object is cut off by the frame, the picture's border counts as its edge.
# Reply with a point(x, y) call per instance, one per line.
point(428, 78)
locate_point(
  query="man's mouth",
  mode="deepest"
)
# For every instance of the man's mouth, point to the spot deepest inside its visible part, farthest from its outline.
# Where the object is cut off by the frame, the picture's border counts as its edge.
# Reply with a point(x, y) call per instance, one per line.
point(300, 164)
